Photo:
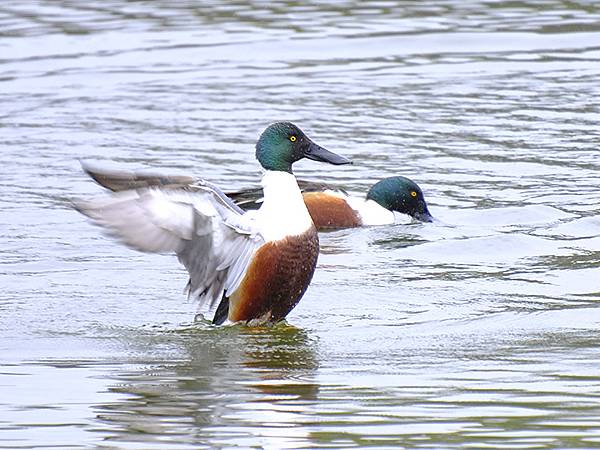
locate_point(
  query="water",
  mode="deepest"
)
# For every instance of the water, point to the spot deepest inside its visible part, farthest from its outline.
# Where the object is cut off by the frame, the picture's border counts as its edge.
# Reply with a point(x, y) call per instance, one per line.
point(478, 331)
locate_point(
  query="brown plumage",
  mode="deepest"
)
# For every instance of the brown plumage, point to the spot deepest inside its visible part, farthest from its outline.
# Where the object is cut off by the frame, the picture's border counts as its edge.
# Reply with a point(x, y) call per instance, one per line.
point(329, 211)
point(276, 279)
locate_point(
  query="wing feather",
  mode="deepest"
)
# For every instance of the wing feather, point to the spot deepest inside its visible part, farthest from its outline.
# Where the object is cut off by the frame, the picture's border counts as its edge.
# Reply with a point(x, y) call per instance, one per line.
point(125, 180)
point(145, 222)
point(240, 265)
point(212, 239)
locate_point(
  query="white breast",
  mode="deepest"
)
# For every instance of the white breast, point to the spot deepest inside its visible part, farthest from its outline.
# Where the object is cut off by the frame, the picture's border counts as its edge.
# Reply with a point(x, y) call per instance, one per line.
point(283, 212)
point(371, 213)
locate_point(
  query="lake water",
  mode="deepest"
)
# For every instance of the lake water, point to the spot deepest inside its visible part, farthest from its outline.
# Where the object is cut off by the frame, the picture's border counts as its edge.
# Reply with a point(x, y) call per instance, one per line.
point(478, 331)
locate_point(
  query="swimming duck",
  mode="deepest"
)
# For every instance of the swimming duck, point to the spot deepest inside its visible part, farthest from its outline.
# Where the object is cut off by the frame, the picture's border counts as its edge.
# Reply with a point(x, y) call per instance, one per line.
point(332, 208)
point(255, 265)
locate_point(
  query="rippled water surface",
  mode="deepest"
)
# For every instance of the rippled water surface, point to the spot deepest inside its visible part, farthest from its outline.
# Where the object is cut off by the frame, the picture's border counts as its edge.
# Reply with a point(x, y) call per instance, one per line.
point(478, 331)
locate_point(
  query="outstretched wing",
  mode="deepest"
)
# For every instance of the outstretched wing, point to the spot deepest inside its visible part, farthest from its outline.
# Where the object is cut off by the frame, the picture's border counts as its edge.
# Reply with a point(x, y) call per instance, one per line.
point(211, 238)
point(124, 180)
point(252, 198)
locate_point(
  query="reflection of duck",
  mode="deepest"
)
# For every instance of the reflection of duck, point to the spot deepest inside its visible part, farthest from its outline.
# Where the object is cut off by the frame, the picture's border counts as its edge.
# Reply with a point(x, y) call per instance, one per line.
point(253, 379)
point(332, 208)
point(255, 266)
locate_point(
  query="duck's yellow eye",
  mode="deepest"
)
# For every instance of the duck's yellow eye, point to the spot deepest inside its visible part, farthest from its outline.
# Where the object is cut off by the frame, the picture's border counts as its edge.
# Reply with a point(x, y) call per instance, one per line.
point(293, 138)
point(413, 193)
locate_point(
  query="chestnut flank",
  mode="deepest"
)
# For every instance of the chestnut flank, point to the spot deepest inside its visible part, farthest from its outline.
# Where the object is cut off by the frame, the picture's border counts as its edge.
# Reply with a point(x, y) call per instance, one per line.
point(276, 279)
point(328, 211)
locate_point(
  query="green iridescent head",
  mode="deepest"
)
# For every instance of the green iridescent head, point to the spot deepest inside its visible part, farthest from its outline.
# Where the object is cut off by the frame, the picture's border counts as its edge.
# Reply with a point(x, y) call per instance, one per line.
point(283, 143)
point(401, 194)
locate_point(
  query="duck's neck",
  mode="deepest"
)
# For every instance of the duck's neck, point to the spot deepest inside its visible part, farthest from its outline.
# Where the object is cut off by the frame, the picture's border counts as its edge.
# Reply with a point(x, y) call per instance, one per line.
point(283, 212)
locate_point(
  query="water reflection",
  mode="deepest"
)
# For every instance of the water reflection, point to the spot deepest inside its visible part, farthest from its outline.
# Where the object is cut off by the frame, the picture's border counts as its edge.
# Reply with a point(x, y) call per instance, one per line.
point(224, 381)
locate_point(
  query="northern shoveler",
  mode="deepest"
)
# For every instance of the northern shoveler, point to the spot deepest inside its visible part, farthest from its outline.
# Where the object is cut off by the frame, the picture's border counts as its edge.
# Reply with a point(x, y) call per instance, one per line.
point(256, 265)
point(332, 208)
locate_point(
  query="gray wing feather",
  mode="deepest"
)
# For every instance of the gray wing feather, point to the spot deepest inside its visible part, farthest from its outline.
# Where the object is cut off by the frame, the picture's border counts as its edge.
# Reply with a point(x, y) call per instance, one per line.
point(124, 180)
point(240, 265)
point(213, 241)
point(222, 198)
point(133, 217)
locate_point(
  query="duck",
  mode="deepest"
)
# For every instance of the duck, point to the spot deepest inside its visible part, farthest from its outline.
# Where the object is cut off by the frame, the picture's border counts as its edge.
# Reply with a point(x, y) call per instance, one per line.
point(333, 208)
point(254, 266)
